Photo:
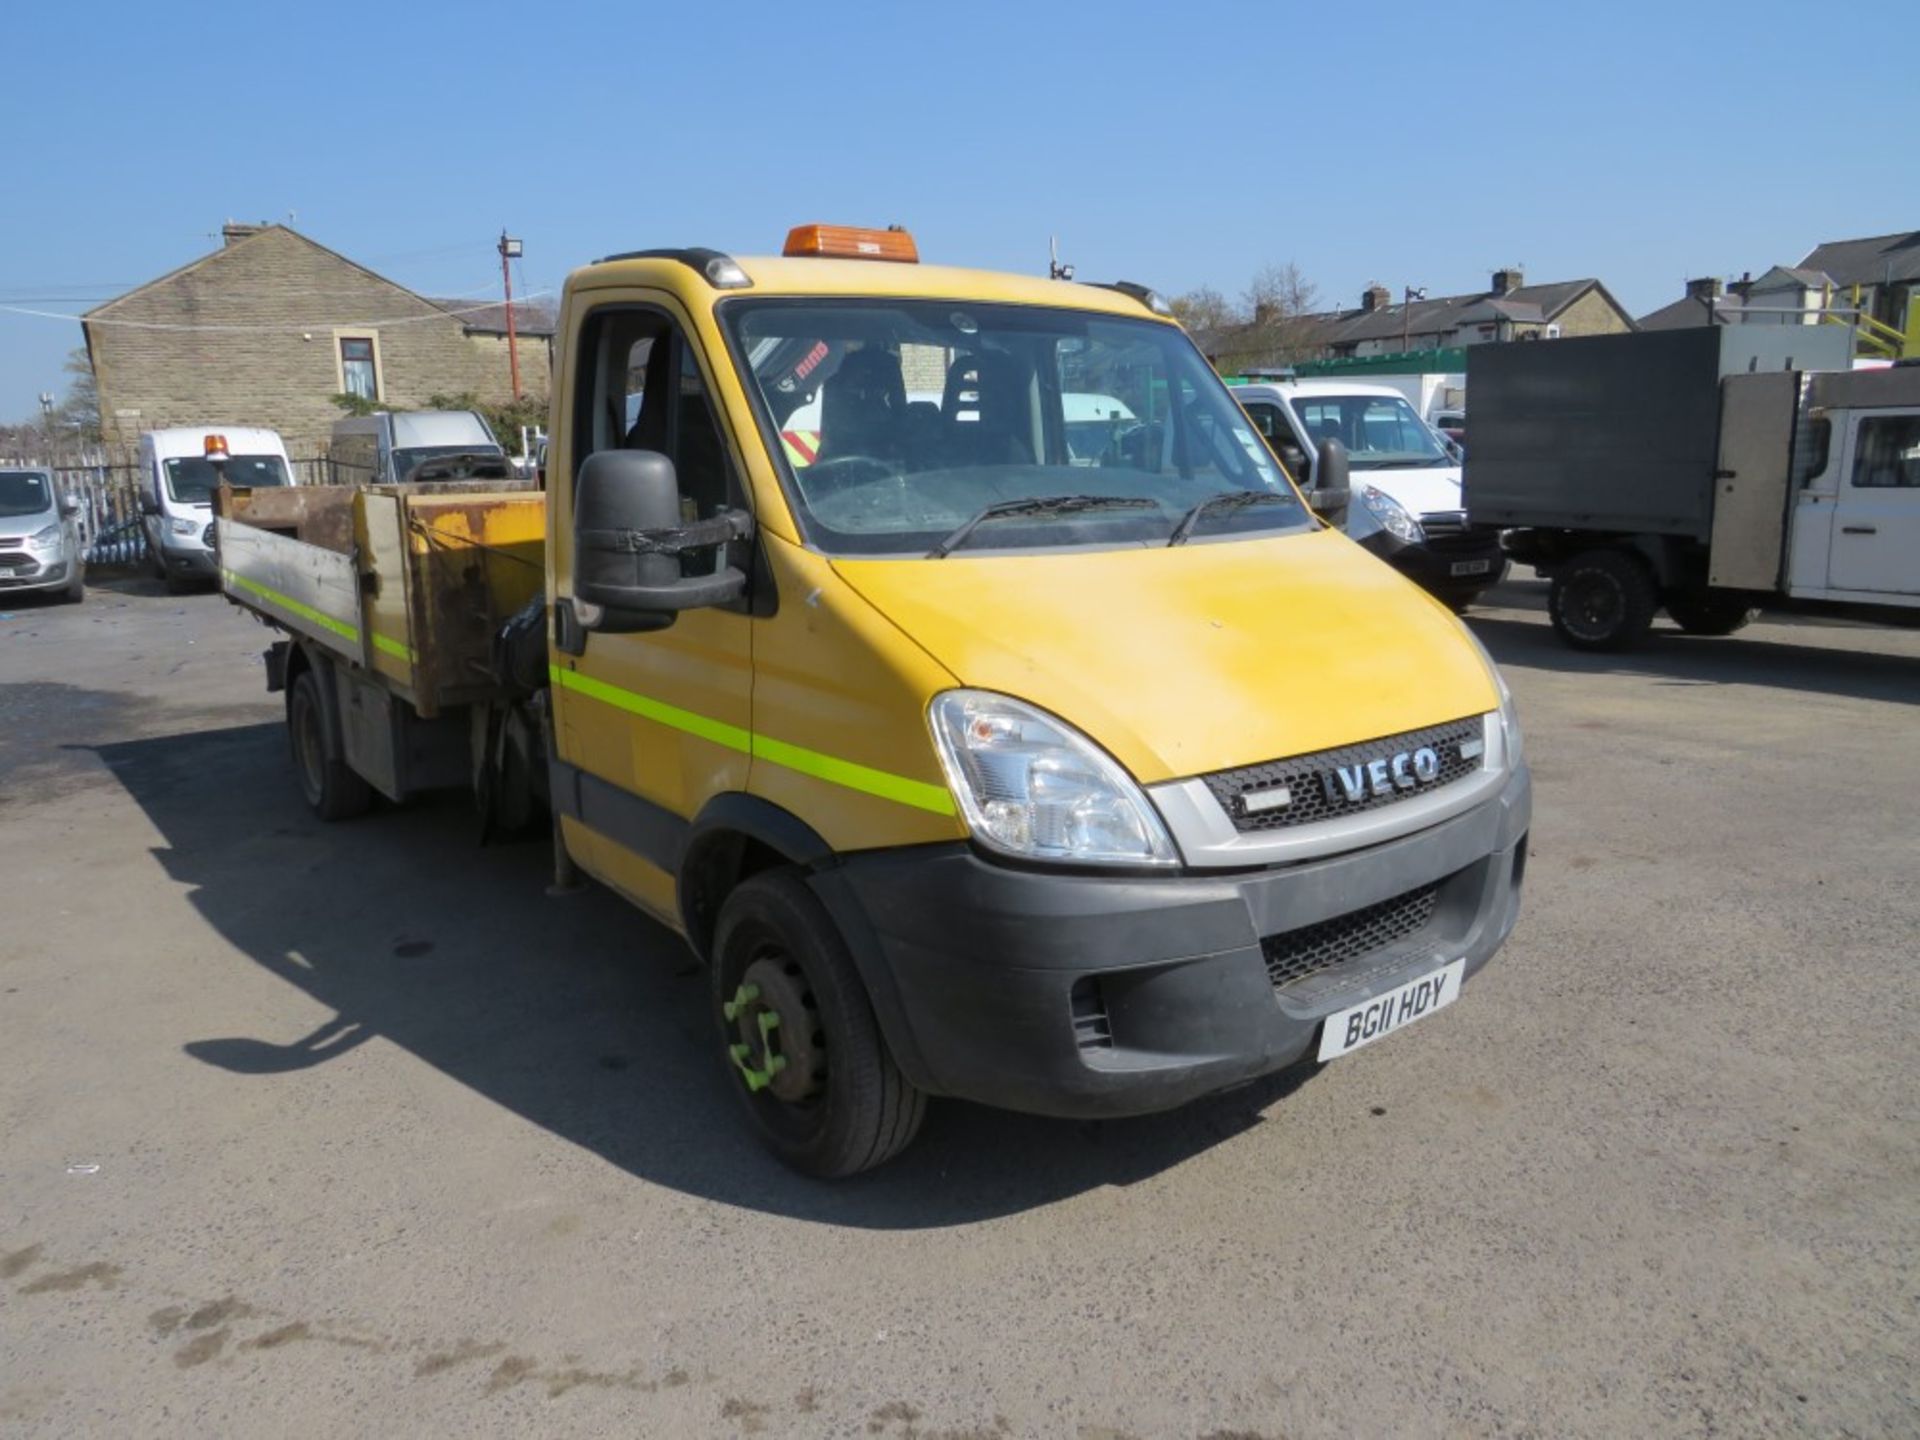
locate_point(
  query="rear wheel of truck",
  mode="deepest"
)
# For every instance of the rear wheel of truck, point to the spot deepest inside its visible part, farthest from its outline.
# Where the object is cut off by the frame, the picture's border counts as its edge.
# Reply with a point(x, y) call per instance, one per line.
point(1710, 614)
point(802, 1048)
point(1603, 600)
point(331, 787)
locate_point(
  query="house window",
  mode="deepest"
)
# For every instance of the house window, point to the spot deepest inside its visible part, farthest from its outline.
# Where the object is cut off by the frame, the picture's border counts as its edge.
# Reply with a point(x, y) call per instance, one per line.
point(358, 372)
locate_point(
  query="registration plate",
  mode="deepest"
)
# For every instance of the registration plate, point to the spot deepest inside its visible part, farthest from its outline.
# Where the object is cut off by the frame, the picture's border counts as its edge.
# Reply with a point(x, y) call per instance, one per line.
point(1347, 1030)
point(1471, 567)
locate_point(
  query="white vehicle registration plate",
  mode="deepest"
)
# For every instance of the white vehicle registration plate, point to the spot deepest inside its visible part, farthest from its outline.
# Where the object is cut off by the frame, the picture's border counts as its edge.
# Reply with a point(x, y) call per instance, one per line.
point(1471, 567)
point(1348, 1030)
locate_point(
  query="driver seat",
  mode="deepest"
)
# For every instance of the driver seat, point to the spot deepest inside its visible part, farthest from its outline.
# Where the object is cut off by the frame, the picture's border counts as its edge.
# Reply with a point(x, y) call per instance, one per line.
point(862, 406)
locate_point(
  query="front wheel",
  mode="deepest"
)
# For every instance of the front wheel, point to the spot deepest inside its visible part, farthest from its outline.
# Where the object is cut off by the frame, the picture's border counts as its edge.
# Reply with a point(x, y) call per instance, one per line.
point(1603, 600)
point(799, 1039)
point(1710, 614)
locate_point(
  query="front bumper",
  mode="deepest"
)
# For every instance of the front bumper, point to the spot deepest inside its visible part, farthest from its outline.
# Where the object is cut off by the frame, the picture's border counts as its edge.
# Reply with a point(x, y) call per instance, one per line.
point(1087, 995)
point(33, 573)
point(193, 562)
point(1461, 561)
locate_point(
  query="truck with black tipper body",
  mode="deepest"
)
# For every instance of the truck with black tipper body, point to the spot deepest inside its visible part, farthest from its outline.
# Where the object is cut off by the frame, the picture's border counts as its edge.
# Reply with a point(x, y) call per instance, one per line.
point(1706, 472)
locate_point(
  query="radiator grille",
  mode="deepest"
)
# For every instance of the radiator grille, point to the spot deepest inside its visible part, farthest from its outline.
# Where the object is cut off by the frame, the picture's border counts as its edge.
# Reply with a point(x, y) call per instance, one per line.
point(1296, 954)
point(1313, 786)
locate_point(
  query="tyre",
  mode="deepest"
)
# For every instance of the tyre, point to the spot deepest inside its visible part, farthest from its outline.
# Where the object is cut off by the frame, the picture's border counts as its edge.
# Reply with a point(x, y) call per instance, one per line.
point(1603, 600)
point(1710, 614)
point(331, 788)
point(76, 590)
point(798, 1036)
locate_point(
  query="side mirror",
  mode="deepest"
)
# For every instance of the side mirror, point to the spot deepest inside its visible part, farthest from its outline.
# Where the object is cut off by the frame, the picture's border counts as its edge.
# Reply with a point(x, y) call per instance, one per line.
point(148, 505)
point(1332, 492)
point(628, 538)
point(70, 506)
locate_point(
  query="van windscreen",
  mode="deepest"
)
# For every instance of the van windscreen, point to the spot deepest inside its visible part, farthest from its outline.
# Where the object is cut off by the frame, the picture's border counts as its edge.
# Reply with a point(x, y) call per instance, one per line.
point(192, 479)
point(24, 492)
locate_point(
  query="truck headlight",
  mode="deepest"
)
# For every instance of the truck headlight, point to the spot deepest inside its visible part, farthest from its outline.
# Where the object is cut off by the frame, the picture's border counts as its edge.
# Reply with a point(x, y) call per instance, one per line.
point(46, 535)
point(1392, 516)
point(1509, 714)
point(181, 525)
point(1031, 786)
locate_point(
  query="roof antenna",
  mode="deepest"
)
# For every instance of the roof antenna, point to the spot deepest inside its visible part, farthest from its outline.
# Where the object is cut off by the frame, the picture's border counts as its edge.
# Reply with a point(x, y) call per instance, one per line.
point(1055, 270)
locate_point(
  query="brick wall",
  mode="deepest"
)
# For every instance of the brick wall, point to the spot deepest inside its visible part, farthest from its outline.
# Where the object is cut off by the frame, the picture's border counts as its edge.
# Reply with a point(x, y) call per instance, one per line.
point(1591, 314)
point(250, 336)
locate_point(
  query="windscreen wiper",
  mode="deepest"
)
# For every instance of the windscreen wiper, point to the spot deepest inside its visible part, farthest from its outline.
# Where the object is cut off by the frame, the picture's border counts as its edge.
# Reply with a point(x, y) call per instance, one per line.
point(1044, 505)
point(1217, 504)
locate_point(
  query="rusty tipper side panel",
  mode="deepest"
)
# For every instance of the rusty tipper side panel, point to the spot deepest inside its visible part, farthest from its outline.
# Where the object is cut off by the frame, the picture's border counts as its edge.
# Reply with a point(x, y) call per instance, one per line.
point(472, 559)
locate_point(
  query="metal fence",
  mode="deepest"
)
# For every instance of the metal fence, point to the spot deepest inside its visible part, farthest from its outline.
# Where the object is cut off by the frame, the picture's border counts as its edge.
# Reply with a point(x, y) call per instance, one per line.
point(109, 499)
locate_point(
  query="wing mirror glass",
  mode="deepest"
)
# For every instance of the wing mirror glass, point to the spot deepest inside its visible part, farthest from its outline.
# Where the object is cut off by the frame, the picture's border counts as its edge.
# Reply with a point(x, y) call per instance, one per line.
point(1332, 491)
point(628, 540)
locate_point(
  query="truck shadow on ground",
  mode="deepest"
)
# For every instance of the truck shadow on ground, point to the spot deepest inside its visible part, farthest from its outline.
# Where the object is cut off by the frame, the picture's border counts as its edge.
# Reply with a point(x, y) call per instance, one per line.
point(577, 1013)
point(1743, 659)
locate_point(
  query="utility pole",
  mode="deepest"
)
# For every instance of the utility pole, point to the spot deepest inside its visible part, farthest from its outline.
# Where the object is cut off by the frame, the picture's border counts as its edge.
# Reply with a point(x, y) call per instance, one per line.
point(1406, 316)
point(46, 422)
point(510, 250)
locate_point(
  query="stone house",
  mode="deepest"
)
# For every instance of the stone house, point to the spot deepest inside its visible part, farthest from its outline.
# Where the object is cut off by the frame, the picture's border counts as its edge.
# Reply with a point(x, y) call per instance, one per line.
point(267, 329)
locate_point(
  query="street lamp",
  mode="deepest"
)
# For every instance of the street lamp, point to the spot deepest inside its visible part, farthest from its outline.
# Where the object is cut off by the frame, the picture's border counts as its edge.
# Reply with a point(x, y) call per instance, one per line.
point(510, 250)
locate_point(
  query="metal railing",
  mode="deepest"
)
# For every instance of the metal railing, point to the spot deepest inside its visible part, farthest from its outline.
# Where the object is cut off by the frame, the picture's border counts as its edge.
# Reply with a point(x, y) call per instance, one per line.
point(108, 495)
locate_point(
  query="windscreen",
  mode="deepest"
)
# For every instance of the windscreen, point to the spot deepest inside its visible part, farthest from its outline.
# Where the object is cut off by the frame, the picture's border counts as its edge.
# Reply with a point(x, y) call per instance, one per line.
point(192, 479)
point(898, 421)
point(25, 492)
point(405, 460)
point(1380, 431)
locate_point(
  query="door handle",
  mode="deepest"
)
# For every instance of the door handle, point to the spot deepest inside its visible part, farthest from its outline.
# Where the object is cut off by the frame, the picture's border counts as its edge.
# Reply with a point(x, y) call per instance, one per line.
point(1859, 529)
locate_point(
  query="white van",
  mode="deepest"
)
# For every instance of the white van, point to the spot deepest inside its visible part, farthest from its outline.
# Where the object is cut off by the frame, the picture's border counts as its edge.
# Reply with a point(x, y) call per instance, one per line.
point(1406, 505)
point(178, 472)
point(384, 448)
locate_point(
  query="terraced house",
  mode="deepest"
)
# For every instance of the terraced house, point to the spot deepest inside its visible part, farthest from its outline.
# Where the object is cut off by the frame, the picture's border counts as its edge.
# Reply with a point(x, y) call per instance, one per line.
point(267, 329)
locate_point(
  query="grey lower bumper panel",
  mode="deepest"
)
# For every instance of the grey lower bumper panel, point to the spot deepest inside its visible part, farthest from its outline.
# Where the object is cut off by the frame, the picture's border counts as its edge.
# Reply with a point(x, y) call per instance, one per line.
point(1091, 995)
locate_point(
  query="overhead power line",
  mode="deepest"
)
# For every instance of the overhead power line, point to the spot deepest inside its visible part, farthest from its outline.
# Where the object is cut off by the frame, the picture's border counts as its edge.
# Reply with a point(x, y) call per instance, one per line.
point(285, 326)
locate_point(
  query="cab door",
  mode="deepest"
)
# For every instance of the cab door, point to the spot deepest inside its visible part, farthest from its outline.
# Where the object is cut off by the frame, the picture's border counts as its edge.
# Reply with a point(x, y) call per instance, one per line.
point(1876, 522)
point(649, 726)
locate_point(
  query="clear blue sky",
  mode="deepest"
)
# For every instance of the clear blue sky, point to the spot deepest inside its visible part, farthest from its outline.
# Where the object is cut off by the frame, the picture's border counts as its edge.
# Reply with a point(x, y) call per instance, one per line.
point(1177, 145)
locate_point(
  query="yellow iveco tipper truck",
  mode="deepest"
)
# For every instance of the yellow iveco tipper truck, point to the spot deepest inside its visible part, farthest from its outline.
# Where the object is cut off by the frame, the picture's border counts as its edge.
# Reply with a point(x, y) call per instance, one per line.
point(947, 658)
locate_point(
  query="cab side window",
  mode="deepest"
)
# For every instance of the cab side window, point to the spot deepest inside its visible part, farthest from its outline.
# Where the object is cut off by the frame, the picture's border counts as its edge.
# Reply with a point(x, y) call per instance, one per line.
point(640, 388)
point(1886, 453)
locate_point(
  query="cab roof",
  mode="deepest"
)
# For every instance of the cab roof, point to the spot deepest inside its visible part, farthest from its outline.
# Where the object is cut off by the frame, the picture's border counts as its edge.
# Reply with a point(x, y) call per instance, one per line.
point(812, 276)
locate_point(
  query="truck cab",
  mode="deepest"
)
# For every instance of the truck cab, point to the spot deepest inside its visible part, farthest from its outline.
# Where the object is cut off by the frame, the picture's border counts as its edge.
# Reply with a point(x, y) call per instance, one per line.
point(1406, 504)
point(179, 470)
point(947, 658)
point(1856, 506)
